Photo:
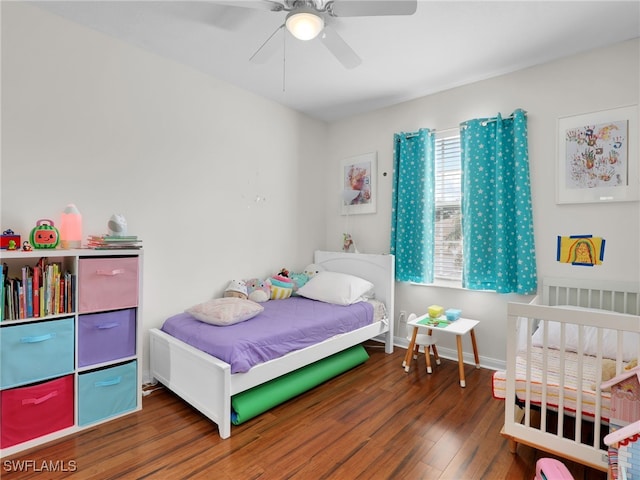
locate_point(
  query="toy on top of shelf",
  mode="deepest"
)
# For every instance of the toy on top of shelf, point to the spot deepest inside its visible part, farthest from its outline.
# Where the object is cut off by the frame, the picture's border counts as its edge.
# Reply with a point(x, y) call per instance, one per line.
point(117, 225)
point(348, 244)
point(44, 234)
point(71, 227)
point(7, 237)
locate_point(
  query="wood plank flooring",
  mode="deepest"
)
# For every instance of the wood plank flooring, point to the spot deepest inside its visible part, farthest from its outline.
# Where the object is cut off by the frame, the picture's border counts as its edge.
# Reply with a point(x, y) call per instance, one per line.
point(373, 422)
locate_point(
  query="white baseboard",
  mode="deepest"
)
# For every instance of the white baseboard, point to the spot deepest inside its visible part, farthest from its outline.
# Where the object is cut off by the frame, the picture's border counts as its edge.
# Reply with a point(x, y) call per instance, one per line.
point(451, 354)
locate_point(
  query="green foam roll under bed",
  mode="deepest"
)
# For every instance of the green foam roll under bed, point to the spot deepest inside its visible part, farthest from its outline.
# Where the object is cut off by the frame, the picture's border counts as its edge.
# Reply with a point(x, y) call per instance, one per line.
point(259, 399)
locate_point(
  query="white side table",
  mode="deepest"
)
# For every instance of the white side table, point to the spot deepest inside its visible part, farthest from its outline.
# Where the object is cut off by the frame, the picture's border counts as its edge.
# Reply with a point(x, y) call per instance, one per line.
point(458, 328)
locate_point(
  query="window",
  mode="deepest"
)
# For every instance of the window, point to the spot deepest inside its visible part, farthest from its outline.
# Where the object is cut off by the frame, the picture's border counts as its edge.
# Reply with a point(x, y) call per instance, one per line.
point(498, 250)
point(448, 193)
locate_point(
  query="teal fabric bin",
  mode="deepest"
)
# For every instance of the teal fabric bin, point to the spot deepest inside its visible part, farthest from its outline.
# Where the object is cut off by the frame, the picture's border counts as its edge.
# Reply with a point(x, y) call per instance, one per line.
point(108, 392)
point(31, 352)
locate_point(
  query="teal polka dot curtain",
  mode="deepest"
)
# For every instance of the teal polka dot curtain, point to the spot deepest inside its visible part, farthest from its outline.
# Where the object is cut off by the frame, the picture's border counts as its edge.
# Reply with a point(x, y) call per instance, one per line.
point(497, 221)
point(413, 206)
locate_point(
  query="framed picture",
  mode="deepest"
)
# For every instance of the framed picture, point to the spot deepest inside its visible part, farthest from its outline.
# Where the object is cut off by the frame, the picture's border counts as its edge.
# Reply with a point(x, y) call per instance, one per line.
point(358, 184)
point(598, 157)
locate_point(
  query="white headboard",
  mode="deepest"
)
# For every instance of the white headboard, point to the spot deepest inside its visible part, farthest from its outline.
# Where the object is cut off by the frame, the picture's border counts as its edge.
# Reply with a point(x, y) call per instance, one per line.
point(378, 269)
point(617, 296)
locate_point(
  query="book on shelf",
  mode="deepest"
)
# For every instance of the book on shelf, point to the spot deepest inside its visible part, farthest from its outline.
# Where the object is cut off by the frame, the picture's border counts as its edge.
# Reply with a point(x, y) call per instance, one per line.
point(37, 291)
point(113, 239)
point(8, 298)
point(20, 299)
point(29, 298)
point(110, 242)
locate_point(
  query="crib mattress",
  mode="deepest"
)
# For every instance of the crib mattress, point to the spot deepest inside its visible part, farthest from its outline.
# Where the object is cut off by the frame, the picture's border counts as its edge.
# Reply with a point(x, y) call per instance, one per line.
point(554, 389)
point(283, 327)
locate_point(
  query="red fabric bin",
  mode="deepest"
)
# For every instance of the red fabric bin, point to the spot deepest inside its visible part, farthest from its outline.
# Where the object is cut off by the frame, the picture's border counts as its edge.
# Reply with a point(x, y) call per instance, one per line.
point(36, 410)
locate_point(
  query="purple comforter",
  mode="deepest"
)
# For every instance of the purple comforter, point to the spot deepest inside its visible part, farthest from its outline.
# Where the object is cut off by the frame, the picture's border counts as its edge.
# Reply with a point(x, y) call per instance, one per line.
point(284, 326)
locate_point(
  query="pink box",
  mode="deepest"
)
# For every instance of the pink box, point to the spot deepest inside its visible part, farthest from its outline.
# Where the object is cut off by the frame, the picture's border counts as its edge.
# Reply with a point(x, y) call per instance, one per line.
point(107, 283)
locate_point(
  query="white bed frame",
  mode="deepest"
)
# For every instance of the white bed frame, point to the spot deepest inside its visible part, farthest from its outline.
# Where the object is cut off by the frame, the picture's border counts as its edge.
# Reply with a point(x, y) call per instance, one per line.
point(622, 297)
point(206, 382)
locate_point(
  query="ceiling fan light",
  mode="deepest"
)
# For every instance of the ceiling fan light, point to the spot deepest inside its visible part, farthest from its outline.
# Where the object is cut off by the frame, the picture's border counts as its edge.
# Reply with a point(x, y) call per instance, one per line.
point(304, 25)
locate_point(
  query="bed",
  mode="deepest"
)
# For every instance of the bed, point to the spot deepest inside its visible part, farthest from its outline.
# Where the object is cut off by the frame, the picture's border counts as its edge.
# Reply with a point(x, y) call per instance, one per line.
point(556, 352)
point(207, 382)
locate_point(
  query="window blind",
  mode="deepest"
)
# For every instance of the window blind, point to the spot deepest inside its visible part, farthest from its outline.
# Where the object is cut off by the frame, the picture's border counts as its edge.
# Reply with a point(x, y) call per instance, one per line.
point(448, 227)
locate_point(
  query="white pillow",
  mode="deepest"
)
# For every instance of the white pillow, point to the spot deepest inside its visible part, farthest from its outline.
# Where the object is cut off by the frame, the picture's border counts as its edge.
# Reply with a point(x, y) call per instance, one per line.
point(337, 288)
point(589, 337)
point(225, 311)
point(521, 327)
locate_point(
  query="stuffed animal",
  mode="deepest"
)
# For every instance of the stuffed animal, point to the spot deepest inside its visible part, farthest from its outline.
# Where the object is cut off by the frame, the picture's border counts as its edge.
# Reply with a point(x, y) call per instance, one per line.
point(299, 279)
point(281, 287)
point(236, 288)
point(258, 290)
point(312, 269)
point(609, 369)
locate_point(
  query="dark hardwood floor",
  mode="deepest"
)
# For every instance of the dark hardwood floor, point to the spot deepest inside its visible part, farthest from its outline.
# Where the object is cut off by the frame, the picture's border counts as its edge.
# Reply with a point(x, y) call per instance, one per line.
point(373, 422)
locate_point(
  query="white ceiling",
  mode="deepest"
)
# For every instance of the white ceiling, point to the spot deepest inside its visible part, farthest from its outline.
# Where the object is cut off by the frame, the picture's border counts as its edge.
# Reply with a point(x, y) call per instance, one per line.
point(443, 45)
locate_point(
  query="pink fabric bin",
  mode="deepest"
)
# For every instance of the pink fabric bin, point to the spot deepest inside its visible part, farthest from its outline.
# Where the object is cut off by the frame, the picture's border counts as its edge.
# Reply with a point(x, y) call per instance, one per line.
point(103, 337)
point(36, 410)
point(107, 283)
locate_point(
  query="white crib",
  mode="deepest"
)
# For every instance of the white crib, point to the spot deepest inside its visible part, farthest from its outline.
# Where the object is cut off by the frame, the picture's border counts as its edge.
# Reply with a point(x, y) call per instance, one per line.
point(555, 355)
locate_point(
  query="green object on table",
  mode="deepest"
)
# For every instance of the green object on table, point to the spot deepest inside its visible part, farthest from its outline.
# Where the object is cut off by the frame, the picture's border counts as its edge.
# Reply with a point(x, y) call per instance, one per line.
point(259, 399)
point(434, 322)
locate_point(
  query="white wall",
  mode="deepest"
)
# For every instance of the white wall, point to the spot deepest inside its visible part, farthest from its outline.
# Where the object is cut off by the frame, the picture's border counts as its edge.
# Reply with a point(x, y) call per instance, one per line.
point(183, 156)
point(598, 80)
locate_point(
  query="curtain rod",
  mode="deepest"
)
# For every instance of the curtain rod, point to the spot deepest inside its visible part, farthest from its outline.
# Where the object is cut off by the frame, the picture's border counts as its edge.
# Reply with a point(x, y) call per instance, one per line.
point(491, 120)
point(415, 134)
point(462, 125)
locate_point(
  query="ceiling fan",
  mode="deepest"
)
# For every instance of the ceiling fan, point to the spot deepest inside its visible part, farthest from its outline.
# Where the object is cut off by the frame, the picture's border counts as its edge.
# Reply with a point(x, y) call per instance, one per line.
point(308, 19)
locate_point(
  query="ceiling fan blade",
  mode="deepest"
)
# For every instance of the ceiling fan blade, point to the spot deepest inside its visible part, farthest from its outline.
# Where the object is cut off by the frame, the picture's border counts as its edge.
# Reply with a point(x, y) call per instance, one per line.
point(266, 5)
point(336, 45)
point(217, 15)
point(225, 15)
point(267, 49)
point(368, 8)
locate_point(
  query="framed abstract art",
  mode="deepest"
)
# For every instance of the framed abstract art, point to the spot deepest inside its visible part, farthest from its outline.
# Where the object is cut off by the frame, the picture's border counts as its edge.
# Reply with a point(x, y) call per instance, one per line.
point(598, 157)
point(358, 184)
